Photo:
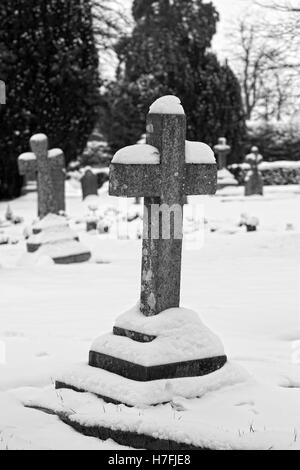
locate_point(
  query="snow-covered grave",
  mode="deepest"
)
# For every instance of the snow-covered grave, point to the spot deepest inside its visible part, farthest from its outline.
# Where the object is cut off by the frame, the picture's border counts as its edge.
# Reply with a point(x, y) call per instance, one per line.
point(244, 286)
point(51, 237)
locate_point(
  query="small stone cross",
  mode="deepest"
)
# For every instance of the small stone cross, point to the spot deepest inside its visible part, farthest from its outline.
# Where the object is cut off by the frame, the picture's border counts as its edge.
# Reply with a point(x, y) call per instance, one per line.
point(222, 149)
point(50, 169)
point(179, 173)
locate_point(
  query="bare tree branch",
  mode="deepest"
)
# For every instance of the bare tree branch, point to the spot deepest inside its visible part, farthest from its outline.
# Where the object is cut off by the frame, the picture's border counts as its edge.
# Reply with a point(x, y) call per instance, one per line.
point(283, 6)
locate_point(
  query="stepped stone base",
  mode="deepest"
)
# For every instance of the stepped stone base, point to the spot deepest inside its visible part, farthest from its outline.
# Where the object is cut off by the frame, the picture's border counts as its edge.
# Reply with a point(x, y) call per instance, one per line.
point(225, 178)
point(174, 344)
point(33, 247)
point(129, 370)
point(81, 400)
point(53, 237)
point(130, 439)
point(73, 259)
point(115, 381)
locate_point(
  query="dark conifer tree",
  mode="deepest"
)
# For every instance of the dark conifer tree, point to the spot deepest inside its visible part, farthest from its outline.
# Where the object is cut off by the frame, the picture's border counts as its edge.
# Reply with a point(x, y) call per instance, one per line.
point(49, 62)
point(169, 51)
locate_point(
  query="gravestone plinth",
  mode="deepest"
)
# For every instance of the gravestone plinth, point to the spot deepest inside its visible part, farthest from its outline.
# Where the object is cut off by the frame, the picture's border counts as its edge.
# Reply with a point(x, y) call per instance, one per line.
point(53, 237)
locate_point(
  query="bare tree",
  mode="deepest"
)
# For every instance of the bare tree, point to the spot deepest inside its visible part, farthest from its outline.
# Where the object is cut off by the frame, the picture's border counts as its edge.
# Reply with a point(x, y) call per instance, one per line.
point(290, 6)
point(266, 67)
point(285, 25)
point(110, 18)
point(253, 57)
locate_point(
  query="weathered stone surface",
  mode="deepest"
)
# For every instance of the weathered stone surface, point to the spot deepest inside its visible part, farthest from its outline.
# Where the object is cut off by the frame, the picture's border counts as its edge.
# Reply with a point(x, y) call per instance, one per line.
point(200, 179)
point(46, 194)
point(146, 180)
point(27, 164)
point(161, 258)
point(132, 371)
point(134, 180)
point(58, 175)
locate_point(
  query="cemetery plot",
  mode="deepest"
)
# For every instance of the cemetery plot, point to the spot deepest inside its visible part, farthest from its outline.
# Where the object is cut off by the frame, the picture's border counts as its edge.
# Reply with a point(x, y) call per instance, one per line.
point(114, 397)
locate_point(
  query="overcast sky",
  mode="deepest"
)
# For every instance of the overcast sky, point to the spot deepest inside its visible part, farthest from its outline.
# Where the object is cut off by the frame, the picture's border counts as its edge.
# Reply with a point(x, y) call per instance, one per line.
point(229, 11)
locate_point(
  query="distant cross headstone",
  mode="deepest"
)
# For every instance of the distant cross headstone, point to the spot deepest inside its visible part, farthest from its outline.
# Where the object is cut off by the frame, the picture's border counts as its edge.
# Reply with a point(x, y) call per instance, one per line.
point(89, 184)
point(163, 187)
point(254, 182)
point(49, 166)
point(222, 150)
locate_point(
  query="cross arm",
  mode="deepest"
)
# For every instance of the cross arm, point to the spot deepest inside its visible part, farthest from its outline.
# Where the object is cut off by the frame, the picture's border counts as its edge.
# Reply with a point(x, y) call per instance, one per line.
point(199, 179)
point(56, 158)
point(27, 163)
point(134, 180)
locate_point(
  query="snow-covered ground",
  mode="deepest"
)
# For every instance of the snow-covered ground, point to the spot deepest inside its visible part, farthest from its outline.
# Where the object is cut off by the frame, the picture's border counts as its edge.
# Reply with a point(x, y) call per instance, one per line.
point(245, 286)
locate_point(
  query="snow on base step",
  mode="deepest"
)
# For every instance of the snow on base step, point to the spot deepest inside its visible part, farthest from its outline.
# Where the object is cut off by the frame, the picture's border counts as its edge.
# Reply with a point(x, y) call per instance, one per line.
point(180, 336)
point(134, 393)
point(52, 237)
point(244, 416)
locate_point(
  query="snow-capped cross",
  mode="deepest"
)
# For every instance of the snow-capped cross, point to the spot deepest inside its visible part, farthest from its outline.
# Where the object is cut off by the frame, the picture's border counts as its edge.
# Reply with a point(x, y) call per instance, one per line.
point(163, 171)
point(49, 167)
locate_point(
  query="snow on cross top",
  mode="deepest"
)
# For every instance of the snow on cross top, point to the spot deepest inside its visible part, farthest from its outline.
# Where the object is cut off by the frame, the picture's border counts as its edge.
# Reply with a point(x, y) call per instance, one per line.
point(39, 137)
point(169, 104)
point(199, 153)
point(137, 155)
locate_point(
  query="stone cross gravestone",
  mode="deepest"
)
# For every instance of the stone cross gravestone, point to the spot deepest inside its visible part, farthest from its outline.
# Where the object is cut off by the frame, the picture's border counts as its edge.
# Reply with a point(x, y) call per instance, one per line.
point(222, 150)
point(163, 171)
point(49, 166)
point(225, 178)
point(89, 184)
point(157, 340)
point(253, 182)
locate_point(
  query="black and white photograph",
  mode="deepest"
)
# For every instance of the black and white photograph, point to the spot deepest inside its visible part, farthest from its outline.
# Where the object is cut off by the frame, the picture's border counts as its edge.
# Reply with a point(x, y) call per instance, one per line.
point(149, 227)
